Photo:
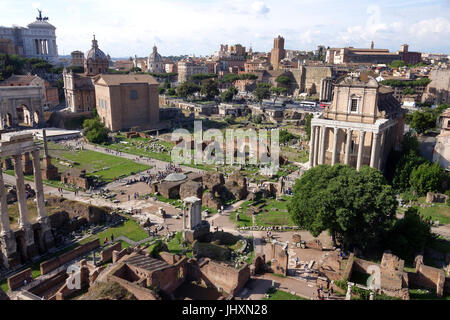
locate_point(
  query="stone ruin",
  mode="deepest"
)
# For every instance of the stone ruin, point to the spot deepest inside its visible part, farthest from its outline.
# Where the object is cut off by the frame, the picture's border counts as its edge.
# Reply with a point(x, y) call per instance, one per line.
point(194, 227)
point(30, 240)
point(436, 197)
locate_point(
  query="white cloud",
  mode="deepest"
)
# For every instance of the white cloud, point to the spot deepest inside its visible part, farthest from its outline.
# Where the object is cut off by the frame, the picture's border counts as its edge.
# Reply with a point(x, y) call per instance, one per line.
point(260, 8)
point(435, 28)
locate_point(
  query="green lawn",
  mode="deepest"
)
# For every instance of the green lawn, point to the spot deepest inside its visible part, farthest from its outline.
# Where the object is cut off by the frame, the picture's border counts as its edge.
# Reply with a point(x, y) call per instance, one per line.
point(137, 146)
point(439, 211)
point(273, 213)
point(421, 294)
point(130, 229)
point(105, 166)
point(275, 294)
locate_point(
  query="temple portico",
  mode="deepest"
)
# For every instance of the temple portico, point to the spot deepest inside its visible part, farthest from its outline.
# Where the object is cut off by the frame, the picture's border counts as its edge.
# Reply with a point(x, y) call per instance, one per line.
point(344, 142)
point(19, 246)
point(361, 126)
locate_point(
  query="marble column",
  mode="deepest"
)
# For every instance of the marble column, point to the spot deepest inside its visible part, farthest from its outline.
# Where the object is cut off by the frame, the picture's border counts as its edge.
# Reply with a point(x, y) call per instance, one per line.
point(4, 217)
point(316, 145)
point(374, 152)
point(362, 135)
point(348, 145)
point(42, 213)
point(8, 243)
point(322, 145)
point(21, 194)
point(335, 141)
point(311, 146)
point(381, 148)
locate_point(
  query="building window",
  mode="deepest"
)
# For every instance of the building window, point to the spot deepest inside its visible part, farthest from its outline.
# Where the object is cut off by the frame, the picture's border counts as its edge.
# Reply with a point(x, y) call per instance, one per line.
point(352, 147)
point(133, 95)
point(354, 105)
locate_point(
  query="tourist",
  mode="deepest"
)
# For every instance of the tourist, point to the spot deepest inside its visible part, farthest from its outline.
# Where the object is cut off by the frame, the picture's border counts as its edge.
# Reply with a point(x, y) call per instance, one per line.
point(112, 238)
point(106, 241)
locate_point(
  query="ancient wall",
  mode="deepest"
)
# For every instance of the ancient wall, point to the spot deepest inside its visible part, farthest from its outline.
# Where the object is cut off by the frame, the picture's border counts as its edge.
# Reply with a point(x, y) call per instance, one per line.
point(428, 277)
point(139, 292)
point(54, 263)
point(17, 280)
point(225, 277)
point(41, 288)
point(107, 254)
point(169, 279)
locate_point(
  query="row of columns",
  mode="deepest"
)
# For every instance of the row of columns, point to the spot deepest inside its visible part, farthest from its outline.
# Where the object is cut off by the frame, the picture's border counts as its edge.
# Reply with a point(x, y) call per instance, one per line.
point(317, 147)
point(9, 245)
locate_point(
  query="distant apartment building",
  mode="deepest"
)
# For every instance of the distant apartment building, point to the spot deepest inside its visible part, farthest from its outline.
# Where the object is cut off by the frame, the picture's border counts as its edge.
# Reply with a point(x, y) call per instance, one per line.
point(438, 91)
point(441, 152)
point(171, 67)
point(187, 68)
point(77, 59)
point(409, 57)
point(360, 55)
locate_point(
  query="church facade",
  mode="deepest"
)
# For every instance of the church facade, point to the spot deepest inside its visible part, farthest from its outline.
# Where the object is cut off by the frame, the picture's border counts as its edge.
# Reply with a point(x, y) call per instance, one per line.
point(361, 126)
point(79, 89)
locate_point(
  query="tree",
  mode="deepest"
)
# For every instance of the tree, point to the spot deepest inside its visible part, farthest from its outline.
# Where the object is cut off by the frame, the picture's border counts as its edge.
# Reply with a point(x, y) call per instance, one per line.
point(422, 121)
point(404, 168)
point(428, 177)
point(95, 131)
point(286, 136)
point(397, 64)
point(357, 207)
point(171, 92)
point(409, 235)
point(197, 78)
point(257, 119)
point(283, 80)
point(228, 95)
point(230, 78)
point(209, 88)
point(278, 91)
point(187, 89)
point(161, 90)
point(248, 76)
point(262, 91)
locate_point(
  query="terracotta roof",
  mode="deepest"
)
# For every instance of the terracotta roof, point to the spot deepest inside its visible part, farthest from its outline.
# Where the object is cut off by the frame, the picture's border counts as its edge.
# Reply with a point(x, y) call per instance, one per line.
point(26, 79)
point(117, 79)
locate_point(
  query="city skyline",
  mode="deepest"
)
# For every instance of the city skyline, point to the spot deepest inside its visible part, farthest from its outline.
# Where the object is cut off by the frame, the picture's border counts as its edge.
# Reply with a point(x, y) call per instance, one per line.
point(180, 27)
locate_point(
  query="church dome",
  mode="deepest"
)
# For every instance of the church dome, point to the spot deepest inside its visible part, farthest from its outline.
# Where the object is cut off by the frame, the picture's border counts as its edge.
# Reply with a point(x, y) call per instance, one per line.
point(155, 56)
point(95, 53)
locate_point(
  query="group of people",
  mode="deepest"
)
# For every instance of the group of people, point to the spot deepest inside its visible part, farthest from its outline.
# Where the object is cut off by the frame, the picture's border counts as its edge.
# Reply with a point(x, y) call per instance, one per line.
point(321, 293)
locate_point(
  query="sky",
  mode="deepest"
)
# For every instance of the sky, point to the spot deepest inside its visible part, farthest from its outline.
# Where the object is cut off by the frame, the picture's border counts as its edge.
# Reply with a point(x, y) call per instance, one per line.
point(126, 28)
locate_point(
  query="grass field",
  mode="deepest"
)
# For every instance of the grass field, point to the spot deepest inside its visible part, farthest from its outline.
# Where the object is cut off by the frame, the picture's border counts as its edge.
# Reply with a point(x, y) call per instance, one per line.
point(130, 229)
point(106, 167)
point(274, 213)
point(275, 294)
point(439, 211)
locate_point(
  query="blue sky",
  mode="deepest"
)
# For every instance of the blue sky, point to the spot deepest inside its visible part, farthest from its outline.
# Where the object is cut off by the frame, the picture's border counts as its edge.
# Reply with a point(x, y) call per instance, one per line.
point(128, 27)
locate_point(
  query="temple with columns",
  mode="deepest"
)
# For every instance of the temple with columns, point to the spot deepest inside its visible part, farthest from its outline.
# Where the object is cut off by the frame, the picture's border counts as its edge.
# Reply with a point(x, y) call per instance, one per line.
point(361, 126)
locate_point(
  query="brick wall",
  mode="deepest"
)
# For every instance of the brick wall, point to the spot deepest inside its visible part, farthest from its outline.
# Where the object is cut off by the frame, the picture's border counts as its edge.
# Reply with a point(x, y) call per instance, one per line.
point(16, 281)
point(139, 292)
point(107, 254)
point(227, 278)
point(48, 266)
point(428, 277)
